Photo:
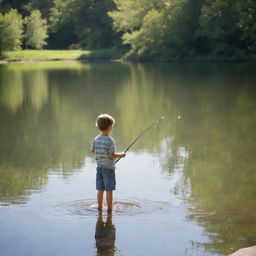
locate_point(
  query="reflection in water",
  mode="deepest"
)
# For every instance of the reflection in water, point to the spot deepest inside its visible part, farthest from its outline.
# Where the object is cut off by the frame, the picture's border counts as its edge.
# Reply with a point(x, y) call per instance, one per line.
point(47, 113)
point(15, 183)
point(105, 236)
point(12, 94)
point(38, 88)
point(47, 121)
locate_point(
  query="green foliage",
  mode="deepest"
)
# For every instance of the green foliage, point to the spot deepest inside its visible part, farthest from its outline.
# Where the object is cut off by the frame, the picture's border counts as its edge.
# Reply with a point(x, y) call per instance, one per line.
point(42, 6)
point(93, 25)
point(36, 30)
point(151, 29)
point(157, 28)
point(187, 28)
point(142, 24)
point(183, 17)
point(11, 26)
point(129, 14)
point(218, 26)
point(87, 22)
point(73, 21)
point(60, 13)
point(148, 40)
point(247, 24)
point(19, 5)
point(228, 28)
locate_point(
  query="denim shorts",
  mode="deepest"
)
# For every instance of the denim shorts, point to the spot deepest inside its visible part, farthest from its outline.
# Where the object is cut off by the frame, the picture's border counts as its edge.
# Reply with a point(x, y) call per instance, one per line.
point(105, 179)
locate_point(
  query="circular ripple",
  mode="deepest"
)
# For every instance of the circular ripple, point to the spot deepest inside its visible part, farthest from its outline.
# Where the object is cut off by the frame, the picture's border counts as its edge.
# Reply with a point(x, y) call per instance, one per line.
point(88, 207)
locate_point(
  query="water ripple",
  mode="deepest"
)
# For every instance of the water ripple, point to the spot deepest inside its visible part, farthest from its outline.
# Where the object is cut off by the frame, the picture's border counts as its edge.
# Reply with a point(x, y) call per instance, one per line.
point(135, 206)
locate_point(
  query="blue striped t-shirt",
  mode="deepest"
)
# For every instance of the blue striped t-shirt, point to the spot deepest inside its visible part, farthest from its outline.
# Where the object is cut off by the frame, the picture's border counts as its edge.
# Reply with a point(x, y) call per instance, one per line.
point(102, 145)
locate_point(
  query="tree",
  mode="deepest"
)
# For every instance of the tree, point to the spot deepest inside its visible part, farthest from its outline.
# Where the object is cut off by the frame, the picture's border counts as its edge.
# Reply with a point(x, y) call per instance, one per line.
point(19, 5)
point(11, 30)
point(43, 6)
point(36, 30)
point(142, 24)
point(247, 24)
point(187, 28)
point(228, 28)
point(181, 34)
point(218, 26)
point(93, 26)
point(61, 26)
point(83, 21)
point(163, 28)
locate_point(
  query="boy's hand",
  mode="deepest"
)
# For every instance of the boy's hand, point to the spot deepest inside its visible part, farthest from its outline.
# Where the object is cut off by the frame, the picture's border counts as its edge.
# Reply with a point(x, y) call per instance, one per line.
point(116, 155)
point(123, 154)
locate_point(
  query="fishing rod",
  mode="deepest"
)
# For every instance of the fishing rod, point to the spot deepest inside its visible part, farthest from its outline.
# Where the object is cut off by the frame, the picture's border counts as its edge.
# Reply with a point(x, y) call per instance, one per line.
point(153, 124)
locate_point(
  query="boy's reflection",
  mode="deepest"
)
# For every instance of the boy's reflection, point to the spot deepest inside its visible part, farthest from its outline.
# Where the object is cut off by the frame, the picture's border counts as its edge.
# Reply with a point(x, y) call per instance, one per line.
point(105, 236)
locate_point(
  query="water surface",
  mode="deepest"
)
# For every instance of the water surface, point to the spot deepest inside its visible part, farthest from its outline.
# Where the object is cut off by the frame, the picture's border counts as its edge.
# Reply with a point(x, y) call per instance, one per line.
point(186, 188)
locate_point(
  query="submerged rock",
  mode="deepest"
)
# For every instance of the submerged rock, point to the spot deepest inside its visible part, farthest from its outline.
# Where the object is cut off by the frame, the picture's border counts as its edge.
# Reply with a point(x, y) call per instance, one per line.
point(249, 251)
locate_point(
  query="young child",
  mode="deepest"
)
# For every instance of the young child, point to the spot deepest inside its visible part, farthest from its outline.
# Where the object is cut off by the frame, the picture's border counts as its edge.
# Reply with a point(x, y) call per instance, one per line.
point(104, 147)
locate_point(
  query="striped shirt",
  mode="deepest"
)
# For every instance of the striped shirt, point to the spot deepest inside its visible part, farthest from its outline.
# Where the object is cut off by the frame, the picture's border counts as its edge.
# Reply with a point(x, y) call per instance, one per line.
point(102, 145)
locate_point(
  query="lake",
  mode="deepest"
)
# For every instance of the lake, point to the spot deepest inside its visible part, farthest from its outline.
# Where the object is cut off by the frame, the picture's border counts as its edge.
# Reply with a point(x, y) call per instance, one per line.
point(187, 187)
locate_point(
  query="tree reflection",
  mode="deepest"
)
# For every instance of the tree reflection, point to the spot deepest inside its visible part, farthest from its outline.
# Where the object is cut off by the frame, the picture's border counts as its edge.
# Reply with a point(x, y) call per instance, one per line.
point(218, 133)
point(12, 93)
point(47, 118)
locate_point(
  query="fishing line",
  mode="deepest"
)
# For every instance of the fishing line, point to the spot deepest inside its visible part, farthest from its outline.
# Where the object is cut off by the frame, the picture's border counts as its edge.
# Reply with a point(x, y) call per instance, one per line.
point(147, 129)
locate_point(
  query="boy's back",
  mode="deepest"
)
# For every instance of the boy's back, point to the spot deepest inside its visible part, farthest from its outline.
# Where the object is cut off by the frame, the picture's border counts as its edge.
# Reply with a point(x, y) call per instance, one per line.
point(102, 146)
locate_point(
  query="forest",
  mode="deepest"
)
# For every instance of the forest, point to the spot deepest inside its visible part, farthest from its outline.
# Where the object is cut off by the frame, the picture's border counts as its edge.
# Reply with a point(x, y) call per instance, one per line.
point(146, 29)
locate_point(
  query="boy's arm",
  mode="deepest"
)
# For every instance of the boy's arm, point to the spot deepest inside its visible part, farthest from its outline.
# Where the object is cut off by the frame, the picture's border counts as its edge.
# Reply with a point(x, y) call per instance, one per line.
point(93, 148)
point(114, 155)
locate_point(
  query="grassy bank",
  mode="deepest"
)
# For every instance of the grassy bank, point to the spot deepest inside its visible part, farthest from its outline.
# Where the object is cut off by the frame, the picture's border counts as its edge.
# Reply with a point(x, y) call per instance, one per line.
point(37, 55)
point(101, 55)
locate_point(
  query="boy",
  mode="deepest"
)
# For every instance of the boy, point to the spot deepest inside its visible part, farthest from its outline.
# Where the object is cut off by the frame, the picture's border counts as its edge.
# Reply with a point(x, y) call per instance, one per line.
point(104, 147)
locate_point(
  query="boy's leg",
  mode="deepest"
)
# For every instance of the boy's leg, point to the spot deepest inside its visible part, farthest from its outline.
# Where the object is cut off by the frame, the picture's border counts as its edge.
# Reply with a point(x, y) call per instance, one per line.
point(100, 187)
point(100, 199)
point(110, 185)
point(109, 200)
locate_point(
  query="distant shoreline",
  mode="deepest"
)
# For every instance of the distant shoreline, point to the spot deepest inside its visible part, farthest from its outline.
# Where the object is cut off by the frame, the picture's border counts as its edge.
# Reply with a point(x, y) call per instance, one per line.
point(111, 54)
point(104, 55)
point(119, 60)
point(44, 60)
